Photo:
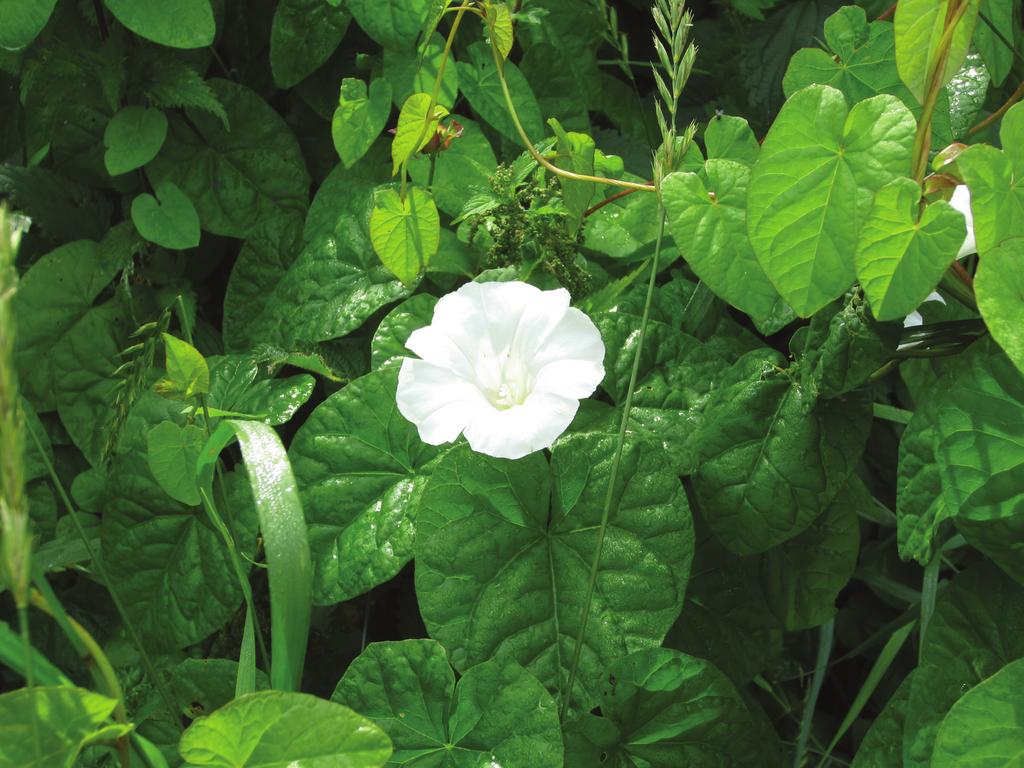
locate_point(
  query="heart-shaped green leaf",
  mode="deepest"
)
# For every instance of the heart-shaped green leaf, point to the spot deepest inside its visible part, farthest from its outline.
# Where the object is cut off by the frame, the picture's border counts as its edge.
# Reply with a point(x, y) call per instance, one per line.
point(172, 451)
point(707, 215)
point(360, 117)
point(415, 129)
point(812, 187)
point(903, 252)
point(172, 222)
point(919, 27)
point(405, 233)
point(133, 137)
point(999, 288)
point(23, 21)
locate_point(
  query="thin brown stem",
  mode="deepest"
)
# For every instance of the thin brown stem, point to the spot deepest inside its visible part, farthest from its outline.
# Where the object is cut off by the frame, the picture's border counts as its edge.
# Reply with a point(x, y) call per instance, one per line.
point(888, 13)
point(610, 199)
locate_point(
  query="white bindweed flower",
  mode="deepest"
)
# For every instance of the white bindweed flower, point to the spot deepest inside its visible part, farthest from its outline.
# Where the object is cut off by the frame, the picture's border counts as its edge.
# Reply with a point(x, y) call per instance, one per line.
point(961, 200)
point(505, 364)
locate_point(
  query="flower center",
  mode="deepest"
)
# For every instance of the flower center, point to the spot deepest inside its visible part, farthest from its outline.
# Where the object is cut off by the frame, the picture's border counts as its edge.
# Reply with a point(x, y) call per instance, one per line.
point(513, 386)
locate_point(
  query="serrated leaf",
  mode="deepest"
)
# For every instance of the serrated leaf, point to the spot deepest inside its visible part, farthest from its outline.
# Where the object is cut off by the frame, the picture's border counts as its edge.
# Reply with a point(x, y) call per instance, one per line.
point(707, 215)
point(274, 728)
point(176, 23)
point(903, 251)
point(169, 219)
point(919, 26)
point(303, 35)
point(405, 233)
point(503, 552)
point(414, 129)
point(23, 21)
point(172, 83)
point(999, 288)
point(990, 708)
point(133, 137)
point(61, 720)
point(172, 451)
point(360, 117)
point(361, 469)
point(187, 374)
point(812, 186)
point(497, 714)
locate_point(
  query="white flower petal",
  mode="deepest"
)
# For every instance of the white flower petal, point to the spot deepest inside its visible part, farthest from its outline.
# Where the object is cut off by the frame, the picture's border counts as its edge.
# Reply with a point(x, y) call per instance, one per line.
point(571, 361)
point(522, 429)
point(913, 319)
point(961, 200)
point(439, 403)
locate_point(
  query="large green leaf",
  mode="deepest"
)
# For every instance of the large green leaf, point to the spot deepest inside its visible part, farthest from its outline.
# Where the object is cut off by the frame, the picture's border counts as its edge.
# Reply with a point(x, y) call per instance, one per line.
point(707, 215)
point(812, 186)
point(170, 566)
point(919, 26)
point(504, 551)
point(392, 23)
point(23, 21)
point(663, 709)
point(360, 469)
point(388, 345)
point(177, 23)
point(991, 42)
point(479, 81)
point(285, 540)
point(416, 127)
point(169, 219)
point(999, 288)
point(303, 36)
point(61, 720)
point(920, 504)
point(236, 385)
point(132, 138)
point(984, 729)
point(270, 729)
point(416, 71)
point(771, 459)
point(55, 296)
point(360, 117)
point(980, 453)
point(405, 232)
point(239, 178)
point(903, 251)
point(496, 715)
point(172, 451)
point(977, 628)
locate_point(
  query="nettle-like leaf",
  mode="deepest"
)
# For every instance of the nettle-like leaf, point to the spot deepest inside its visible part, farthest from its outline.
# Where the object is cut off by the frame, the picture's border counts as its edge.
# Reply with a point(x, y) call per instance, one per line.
point(772, 459)
point(497, 714)
point(59, 720)
point(360, 117)
point(990, 708)
point(977, 628)
point(169, 219)
point(707, 215)
point(661, 708)
point(919, 26)
point(903, 251)
point(176, 23)
point(133, 137)
point(503, 554)
point(480, 84)
point(274, 728)
point(812, 186)
point(361, 469)
point(392, 23)
point(980, 455)
point(237, 179)
point(405, 232)
point(303, 35)
point(23, 21)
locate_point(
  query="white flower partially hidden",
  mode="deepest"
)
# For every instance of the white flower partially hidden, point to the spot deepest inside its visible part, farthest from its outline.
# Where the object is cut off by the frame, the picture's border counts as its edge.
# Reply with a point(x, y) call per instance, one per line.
point(961, 200)
point(505, 364)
